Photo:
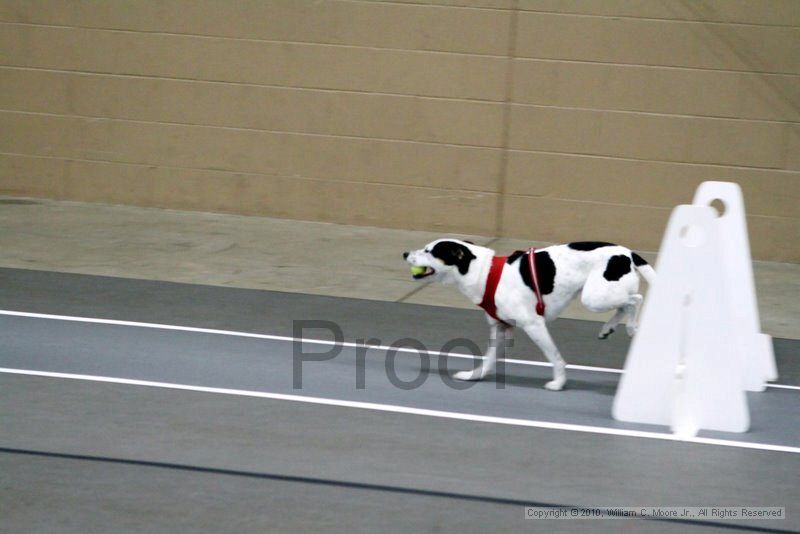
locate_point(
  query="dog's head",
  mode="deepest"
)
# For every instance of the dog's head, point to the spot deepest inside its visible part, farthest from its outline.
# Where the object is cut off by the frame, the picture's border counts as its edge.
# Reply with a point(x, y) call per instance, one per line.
point(443, 260)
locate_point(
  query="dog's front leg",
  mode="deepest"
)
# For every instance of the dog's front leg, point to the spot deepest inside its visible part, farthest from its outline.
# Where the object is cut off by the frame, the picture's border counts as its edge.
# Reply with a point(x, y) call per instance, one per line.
point(539, 335)
point(498, 333)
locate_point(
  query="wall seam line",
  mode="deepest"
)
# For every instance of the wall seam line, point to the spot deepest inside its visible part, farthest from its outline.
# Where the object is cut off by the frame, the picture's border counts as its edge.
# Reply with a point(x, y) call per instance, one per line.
point(506, 126)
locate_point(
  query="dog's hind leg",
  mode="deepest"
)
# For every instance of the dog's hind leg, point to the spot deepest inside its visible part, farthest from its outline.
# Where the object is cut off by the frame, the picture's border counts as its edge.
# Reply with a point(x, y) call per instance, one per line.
point(612, 323)
point(498, 333)
point(539, 335)
point(632, 310)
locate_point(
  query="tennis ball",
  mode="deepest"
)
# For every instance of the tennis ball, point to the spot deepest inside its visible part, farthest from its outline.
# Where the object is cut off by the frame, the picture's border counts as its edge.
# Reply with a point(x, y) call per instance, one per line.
point(417, 270)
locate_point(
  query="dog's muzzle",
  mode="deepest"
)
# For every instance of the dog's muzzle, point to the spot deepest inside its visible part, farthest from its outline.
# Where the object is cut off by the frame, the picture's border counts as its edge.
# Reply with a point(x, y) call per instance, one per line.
point(415, 269)
point(428, 272)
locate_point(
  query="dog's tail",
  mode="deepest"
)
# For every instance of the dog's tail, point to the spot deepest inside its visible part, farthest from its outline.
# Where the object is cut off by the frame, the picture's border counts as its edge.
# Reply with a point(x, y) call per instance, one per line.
point(647, 272)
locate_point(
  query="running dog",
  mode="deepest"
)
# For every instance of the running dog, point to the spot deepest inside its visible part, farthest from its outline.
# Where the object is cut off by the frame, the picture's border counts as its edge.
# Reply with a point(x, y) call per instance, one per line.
point(529, 292)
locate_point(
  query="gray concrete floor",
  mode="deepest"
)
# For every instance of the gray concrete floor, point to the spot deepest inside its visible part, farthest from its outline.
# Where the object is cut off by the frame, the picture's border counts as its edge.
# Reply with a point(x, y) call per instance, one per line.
point(275, 254)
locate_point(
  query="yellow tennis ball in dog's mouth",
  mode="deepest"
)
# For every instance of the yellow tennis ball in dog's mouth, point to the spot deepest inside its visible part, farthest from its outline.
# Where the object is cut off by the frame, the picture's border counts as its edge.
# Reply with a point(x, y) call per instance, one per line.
point(416, 270)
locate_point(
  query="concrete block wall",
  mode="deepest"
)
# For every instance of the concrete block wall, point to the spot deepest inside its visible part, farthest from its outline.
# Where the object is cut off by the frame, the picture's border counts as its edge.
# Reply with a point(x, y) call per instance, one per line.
point(550, 120)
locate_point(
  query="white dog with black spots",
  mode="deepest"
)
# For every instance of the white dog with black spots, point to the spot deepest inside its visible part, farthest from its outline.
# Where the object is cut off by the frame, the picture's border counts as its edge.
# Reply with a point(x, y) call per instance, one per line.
point(605, 275)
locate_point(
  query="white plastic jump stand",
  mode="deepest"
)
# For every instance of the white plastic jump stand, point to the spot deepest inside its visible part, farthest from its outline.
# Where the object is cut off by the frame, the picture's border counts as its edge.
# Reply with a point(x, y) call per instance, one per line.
point(759, 358)
point(683, 368)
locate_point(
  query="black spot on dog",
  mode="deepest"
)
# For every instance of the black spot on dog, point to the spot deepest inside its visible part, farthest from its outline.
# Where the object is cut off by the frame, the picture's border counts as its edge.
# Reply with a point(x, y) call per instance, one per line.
point(589, 245)
point(513, 257)
point(638, 260)
point(452, 253)
point(617, 267)
point(545, 270)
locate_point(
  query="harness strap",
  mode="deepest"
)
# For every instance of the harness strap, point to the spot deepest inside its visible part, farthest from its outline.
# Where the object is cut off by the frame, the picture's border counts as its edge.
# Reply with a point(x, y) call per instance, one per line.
point(493, 280)
point(532, 265)
point(495, 271)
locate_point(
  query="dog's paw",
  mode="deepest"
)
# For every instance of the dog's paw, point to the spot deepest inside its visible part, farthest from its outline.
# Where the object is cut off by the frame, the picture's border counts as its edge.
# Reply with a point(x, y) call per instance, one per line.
point(604, 335)
point(469, 375)
point(555, 385)
point(631, 329)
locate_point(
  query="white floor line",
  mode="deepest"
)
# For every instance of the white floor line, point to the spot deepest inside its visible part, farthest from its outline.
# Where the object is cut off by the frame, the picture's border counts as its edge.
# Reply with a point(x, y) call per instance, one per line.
point(159, 326)
point(410, 411)
point(783, 386)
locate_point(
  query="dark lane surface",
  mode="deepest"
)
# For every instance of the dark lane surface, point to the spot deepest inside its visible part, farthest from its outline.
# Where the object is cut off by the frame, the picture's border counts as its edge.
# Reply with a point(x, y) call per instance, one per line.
point(182, 435)
point(273, 312)
point(79, 456)
point(221, 361)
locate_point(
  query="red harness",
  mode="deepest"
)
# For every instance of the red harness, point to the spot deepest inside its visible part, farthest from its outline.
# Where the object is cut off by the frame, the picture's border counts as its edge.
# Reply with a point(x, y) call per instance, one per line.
point(488, 305)
point(492, 281)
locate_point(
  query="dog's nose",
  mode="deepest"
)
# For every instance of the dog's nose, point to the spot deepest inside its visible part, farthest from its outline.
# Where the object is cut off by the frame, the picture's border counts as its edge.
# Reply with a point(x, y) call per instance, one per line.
point(405, 255)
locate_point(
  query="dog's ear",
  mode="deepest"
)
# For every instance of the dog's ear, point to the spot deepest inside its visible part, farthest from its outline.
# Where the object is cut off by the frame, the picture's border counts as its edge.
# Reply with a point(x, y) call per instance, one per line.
point(452, 253)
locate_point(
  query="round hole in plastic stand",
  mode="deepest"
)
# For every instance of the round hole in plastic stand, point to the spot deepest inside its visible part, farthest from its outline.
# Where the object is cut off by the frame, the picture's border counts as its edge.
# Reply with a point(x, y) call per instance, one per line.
point(719, 205)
